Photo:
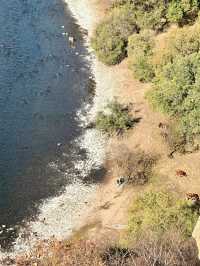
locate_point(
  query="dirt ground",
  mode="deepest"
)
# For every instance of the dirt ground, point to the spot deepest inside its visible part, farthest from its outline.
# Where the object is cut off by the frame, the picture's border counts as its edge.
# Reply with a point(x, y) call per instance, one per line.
point(109, 210)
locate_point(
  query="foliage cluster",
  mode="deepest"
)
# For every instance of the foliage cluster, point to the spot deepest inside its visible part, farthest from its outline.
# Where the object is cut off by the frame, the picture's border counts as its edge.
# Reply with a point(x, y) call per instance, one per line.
point(179, 41)
point(160, 212)
point(114, 119)
point(133, 16)
point(175, 89)
point(111, 35)
point(140, 52)
point(182, 11)
point(154, 14)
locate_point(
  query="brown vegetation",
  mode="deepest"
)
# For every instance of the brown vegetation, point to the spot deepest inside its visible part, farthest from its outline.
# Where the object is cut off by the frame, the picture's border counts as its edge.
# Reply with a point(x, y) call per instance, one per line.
point(169, 250)
point(134, 166)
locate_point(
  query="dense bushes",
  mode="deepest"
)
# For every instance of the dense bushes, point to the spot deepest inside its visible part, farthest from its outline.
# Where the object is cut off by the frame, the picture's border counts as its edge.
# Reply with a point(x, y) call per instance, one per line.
point(178, 42)
point(111, 36)
point(182, 11)
point(115, 119)
point(154, 14)
point(174, 84)
point(175, 89)
point(174, 68)
point(140, 51)
point(109, 46)
point(130, 16)
point(160, 212)
point(150, 14)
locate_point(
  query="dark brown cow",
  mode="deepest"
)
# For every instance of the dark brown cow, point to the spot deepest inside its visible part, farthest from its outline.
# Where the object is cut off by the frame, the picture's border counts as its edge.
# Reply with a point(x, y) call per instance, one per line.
point(192, 196)
point(181, 173)
point(163, 125)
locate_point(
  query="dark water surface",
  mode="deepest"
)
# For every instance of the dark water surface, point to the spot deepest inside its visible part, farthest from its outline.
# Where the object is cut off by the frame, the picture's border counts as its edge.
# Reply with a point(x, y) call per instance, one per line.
point(43, 82)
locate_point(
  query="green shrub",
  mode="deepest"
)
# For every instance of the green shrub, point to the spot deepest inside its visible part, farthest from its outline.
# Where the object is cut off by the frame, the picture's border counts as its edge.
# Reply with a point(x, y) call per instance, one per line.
point(124, 20)
point(150, 14)
point(155, 14)
point(111, 36)
point(160, 212)
point(114, 119)
point(142, 69)
point(141, 43)
point(126, 17)
point(176, 92)
point(109, 46)
point(140, 51)
point(180, 41)
point(175, 12)
point(182, 11)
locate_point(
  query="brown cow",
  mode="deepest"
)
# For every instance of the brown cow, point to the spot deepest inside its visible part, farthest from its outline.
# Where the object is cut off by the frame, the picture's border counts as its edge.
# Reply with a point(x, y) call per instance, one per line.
point(192, 196)
point(181, 173)
point(163, 125)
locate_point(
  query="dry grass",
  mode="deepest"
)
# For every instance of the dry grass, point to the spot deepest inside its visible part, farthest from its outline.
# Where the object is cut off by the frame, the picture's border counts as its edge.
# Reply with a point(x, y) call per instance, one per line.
point(62, 253)
point(136, 166)
point(170, 250)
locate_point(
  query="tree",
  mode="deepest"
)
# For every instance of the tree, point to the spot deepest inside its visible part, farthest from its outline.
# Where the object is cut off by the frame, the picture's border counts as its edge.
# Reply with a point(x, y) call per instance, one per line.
point(183, 11)
point(111, 36)
point(140, 51)
point(115, 118)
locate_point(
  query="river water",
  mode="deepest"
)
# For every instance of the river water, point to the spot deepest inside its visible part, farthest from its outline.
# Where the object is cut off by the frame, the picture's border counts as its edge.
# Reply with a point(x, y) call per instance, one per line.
point(43, 82)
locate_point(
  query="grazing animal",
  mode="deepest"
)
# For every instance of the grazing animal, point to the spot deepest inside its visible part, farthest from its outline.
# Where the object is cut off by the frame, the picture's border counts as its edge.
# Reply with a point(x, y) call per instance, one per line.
point(163, 126)
point(192, 196)
point(181, 173)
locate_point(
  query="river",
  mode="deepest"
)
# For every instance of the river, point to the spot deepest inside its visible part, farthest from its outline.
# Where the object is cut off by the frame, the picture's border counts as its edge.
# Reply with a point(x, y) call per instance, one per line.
point(43, 83)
